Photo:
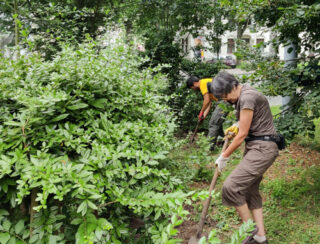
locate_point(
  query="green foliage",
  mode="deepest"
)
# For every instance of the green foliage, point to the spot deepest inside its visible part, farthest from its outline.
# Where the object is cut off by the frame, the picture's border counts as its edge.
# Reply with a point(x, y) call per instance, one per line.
point(298, 23)
point(290, 18)
point(192, 161)
point(237, 237)
point(289, 193)
point(201, 69)
point(293, 200)
point(301, 84)
point(87, 134)
point(42, 25)
point(317, 131)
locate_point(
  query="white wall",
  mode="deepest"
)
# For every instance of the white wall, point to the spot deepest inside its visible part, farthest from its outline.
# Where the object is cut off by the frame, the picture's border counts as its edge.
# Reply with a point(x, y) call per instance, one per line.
point(262, 33)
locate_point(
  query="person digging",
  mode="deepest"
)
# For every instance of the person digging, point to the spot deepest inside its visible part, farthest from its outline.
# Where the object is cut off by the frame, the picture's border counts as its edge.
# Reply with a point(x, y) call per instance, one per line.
point(255, 127)
point(218, 115)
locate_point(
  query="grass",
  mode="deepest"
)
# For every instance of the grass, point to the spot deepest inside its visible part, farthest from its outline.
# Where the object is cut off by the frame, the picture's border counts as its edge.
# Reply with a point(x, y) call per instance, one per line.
point(290, 189)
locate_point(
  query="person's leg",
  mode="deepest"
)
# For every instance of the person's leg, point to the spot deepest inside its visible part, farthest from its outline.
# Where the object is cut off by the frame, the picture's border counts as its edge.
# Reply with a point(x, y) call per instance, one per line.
point(258, 219)
point(254, 201)
point(215, 125)
point(244, 212)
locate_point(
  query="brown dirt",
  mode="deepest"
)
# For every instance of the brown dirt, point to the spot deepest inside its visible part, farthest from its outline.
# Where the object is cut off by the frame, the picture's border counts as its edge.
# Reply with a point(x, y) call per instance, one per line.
point(288, 159)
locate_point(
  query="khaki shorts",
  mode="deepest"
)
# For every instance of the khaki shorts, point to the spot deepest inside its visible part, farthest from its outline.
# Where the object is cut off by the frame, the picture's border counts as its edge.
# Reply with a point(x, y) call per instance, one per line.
point(242, 185)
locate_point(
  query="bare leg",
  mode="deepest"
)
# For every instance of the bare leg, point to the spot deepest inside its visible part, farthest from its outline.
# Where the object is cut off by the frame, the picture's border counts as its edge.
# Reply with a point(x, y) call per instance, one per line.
point(258, 219)
point(244, 212)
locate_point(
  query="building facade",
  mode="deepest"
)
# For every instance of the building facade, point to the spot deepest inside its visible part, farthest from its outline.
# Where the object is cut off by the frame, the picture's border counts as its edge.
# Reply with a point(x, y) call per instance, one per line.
point(189, 44)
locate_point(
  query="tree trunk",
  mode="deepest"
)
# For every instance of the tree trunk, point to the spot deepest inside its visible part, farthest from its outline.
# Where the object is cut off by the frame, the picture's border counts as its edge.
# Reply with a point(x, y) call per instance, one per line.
point(32, 205)
point(128, 27)
point(241, 27)
point(16, 27)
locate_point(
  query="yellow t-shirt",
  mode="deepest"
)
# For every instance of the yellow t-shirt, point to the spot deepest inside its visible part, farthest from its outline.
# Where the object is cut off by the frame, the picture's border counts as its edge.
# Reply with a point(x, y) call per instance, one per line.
point(204, 88)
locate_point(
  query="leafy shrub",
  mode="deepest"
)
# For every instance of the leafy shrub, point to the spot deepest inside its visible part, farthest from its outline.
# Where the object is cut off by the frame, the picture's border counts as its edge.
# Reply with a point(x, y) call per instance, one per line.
point(237, 237)
point(201, 69)
point(301, 83)
point(83, 144)
point(317, 131)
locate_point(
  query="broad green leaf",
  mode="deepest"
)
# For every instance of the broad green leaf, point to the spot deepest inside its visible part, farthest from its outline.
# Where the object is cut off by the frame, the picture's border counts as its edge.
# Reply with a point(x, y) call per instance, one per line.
point(153, 162)
point(12, 240)
point(13, 123)
point(105, 224)
point(59, 117)
point(78, 106)
point(76, 221)
point(34, 238)
point(100, 103)
point(3, 212)
point(202, 240)
point(158, 214)
point(82, 208)
point(19, 226)
point(91, 205)
point(4, 237)
point(98, 233)
point(52, 239)
point(6, 225)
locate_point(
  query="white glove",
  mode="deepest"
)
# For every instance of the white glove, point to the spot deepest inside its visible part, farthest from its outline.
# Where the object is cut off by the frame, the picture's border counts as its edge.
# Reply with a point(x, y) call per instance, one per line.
point(221, 162)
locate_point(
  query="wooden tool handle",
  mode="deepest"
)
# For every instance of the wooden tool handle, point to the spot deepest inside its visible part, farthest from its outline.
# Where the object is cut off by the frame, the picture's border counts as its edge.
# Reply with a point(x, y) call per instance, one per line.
point(195, 131)
point(208, 200)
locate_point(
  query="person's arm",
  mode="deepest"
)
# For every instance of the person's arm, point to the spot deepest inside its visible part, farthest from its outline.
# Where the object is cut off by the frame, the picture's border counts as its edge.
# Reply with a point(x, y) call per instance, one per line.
point(207, 110)
point(206, 103)
point(246, 116)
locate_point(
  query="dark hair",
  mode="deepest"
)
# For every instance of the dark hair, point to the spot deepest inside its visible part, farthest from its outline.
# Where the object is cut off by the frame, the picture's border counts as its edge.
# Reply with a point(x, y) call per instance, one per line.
point(191, 80)
point(223, 84)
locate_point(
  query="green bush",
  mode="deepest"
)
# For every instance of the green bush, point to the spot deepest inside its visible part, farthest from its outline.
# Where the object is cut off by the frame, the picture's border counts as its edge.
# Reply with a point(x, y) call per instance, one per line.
point(83, 144)
point(317, 131)
point(201, 69)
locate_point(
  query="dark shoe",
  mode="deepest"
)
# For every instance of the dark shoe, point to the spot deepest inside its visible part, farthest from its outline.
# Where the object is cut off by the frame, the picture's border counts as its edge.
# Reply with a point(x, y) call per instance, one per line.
point(220, 143)
point(250, 238)
point(212, 147)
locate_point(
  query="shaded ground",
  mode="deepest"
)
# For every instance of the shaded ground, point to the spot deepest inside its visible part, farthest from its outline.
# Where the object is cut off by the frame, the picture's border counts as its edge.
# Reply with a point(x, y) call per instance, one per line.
point(291, 167)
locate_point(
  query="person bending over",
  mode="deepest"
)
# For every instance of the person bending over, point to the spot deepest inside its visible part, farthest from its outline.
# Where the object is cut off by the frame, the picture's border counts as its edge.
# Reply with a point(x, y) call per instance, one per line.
point(218, 115)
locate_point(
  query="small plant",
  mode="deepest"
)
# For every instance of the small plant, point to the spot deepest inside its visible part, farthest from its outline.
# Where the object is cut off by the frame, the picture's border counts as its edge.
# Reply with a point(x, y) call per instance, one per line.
point(237, 237)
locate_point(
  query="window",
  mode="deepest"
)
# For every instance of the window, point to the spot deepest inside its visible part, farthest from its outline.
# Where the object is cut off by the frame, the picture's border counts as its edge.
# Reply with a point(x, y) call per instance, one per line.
point(260, 40)
point(184, 44)
point(247, 40)
point(231, 46)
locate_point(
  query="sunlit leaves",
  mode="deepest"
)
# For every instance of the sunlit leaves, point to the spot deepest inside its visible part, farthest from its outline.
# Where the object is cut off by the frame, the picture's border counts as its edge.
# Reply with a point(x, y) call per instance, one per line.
point(86, 133)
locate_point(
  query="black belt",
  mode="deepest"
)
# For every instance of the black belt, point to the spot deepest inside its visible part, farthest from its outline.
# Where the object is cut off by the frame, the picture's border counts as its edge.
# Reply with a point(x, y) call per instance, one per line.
point(261, 138)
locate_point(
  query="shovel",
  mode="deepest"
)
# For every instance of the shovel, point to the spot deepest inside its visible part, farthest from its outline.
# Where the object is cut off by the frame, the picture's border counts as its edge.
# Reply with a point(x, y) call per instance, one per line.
point(195, 238)
point(195, 131)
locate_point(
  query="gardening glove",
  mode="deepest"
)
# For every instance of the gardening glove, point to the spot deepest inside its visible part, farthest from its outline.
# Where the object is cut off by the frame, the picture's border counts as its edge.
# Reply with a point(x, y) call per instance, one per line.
point(200, 117)
point(232, 131)
point(221, 162)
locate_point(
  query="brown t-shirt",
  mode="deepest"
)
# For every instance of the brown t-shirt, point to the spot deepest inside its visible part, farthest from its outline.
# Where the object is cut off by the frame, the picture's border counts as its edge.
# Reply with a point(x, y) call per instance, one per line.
point(262, 121)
